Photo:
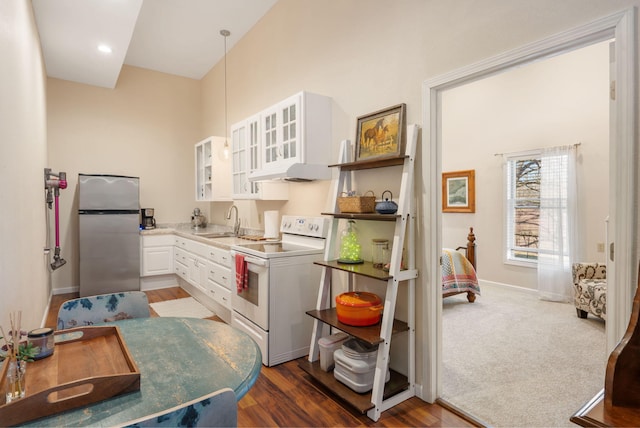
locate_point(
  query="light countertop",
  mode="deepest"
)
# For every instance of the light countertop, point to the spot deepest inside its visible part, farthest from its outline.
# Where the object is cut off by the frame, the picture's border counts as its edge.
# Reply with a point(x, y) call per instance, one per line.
point(186, 231)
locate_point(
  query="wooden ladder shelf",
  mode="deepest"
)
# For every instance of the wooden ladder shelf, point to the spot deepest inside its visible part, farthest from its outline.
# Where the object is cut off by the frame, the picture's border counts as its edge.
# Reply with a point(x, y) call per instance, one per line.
point(400, 387)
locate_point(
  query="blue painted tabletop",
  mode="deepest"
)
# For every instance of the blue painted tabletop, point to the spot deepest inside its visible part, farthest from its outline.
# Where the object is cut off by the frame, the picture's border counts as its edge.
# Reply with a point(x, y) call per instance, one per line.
point(180, 359)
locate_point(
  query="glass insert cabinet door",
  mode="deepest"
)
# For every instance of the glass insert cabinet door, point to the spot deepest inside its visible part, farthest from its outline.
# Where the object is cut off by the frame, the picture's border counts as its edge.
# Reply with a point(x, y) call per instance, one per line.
point(270, 138)
point(210, 168)
point(254, 153)
point(289, 131)
point(239, 159)
point(281, 133)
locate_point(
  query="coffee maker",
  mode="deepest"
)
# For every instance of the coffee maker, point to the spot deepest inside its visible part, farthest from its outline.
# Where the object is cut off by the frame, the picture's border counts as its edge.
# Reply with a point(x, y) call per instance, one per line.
point(148, 222)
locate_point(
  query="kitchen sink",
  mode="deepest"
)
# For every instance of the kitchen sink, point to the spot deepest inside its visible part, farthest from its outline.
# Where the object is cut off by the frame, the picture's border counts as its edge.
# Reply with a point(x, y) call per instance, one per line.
point(213, 234)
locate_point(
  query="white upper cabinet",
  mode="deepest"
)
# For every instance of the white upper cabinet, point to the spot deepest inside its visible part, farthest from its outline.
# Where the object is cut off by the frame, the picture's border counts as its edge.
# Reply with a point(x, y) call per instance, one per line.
point(240, 161)
point(213, 171)
point(245, 137)
point(281, 130)
point(295, 139)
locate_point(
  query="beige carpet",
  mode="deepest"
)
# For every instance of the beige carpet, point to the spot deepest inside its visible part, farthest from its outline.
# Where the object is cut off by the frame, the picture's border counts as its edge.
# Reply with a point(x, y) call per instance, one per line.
point(513, 360)
point(187, 307)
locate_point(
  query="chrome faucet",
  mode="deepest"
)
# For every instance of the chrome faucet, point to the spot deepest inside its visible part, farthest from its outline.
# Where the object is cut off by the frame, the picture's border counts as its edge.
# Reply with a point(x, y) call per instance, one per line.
point(236, 223)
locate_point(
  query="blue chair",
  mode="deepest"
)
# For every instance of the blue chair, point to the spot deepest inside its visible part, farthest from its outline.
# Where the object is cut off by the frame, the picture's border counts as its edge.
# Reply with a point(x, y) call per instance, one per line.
point(218, 409)
point(91, 310)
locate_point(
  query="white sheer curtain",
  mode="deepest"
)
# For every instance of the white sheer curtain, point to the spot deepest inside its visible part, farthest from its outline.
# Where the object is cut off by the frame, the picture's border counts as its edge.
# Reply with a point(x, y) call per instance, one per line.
point(558, 237)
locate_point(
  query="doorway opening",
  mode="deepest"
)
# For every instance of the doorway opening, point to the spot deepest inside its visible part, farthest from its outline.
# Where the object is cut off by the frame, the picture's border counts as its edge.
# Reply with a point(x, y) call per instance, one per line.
point(558, 101)
point(623, 231)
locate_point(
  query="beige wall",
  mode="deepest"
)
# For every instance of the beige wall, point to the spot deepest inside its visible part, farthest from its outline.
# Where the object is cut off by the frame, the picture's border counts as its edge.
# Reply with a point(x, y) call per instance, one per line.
point(24, 276)
point(146, 127)
point(368, 55)
point(556, 102)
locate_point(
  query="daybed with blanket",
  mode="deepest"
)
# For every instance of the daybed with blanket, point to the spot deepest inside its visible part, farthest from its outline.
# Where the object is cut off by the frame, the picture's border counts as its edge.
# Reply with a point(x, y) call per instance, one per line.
point(459, 270)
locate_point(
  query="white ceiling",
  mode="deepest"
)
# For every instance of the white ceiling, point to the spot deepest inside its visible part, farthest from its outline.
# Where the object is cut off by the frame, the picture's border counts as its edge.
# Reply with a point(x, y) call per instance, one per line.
point(180, 37)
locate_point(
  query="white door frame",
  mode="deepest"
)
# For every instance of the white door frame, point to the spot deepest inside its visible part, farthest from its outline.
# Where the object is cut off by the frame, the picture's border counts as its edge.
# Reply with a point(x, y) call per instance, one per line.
point(625, 183)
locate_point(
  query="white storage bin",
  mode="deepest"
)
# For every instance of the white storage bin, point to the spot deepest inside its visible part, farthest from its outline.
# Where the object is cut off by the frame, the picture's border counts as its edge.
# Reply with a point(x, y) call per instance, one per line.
point(359, 350)
point(356, 374)
point(328, 345)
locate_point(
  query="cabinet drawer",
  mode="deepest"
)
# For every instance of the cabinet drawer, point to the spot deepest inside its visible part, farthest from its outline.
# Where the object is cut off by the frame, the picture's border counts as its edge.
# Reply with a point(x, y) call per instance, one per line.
point(219, 274)
point(219, 293)
point(180, 242)
point(157, 240)
point(181, 256)
point(181, 269)
point(219, 256)
point(196, 248)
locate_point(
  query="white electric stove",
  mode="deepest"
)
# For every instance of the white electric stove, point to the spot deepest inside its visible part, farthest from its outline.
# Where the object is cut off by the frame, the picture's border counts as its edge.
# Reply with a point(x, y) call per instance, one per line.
point(282, 285)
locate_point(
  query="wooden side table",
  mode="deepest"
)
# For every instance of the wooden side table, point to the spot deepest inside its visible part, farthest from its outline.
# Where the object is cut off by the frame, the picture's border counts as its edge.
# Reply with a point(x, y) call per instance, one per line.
point(595, 414)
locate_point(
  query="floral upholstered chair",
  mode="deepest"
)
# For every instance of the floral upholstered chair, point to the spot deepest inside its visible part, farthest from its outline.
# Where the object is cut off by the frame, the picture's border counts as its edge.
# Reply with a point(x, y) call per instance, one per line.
point(218, 409)
point(590, 289)
point(91, 310)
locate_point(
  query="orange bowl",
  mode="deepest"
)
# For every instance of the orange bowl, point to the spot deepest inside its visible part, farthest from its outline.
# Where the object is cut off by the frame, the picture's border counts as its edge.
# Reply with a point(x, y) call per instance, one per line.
point(358, 308)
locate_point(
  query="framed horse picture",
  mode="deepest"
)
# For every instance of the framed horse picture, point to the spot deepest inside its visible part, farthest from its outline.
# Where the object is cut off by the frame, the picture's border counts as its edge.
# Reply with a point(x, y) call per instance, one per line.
point(381, 134)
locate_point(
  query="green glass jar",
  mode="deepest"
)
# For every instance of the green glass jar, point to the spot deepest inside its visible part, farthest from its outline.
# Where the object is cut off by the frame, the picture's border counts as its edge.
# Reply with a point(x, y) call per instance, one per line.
point(350, 249)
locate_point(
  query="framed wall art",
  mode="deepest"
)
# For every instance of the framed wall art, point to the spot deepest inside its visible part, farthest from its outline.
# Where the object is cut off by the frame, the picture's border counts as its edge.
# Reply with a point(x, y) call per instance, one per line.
point(381, 134)
point(459, 191)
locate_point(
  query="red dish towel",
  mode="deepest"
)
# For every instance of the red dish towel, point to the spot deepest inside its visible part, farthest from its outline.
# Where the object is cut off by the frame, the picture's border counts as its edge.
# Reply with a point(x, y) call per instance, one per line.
point(242, 273)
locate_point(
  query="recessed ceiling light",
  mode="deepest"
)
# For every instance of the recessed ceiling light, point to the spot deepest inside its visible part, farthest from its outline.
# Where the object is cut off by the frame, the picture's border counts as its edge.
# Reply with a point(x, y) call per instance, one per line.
point(104, 48)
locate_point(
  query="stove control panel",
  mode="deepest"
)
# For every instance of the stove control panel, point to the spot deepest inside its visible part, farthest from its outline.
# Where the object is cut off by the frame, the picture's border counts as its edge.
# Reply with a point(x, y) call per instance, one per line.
point(317, 227)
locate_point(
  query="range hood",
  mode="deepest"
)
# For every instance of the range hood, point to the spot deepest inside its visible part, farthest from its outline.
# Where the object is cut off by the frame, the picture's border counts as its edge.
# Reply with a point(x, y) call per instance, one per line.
point(297, 172)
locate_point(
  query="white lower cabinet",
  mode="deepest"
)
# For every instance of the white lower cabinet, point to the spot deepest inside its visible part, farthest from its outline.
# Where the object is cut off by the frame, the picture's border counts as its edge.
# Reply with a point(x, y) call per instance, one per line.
point(206, 267)
point(218, 278)
point(218, 291)
point(197, 271)
point(181, 263)
point(157, 255)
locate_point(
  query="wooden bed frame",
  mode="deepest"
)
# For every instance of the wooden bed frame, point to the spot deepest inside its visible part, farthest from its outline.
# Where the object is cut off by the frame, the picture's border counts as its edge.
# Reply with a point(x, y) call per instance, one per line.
point(470, 254)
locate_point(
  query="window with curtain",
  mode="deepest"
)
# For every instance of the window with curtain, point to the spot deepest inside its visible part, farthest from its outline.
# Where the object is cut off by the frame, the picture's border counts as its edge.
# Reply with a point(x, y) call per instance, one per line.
point(523, 186)
point(523, 207)
point(541, 216)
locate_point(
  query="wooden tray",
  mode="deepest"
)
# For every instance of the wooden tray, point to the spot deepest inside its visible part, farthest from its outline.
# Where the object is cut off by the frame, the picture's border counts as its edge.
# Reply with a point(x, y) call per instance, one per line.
point(89, 364)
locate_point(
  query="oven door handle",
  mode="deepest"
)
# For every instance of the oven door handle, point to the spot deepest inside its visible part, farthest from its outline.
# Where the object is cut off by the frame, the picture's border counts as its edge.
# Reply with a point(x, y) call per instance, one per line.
point(255, 261)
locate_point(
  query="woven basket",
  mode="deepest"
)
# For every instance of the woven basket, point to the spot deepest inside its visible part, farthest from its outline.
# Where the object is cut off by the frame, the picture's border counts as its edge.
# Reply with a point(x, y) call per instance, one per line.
point(357, 204)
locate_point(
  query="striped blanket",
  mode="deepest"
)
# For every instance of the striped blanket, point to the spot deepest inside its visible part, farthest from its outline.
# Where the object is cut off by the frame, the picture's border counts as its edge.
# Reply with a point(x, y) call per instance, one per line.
point(458, 273)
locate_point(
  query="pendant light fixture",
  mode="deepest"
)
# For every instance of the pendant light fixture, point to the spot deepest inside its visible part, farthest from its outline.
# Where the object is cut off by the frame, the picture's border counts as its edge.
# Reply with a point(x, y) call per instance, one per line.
point(225, 34)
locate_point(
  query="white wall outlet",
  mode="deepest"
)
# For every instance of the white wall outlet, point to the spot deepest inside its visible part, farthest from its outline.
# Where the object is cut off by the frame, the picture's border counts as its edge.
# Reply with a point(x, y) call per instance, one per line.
point(600, 247)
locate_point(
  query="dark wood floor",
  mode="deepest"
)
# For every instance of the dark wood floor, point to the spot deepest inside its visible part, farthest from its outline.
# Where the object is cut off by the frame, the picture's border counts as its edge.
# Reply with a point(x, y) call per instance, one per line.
point(284, 395)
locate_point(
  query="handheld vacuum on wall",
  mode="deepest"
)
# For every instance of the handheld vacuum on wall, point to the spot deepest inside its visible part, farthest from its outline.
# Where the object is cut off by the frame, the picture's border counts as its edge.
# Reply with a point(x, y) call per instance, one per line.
point(54, 182)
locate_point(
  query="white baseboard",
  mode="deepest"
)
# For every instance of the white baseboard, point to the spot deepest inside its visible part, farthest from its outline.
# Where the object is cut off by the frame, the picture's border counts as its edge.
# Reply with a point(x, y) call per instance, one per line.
point(208, 302)
point(418, 389)
point(65, 290)
point(510, 286)
point(158, 282)
point(146, 284)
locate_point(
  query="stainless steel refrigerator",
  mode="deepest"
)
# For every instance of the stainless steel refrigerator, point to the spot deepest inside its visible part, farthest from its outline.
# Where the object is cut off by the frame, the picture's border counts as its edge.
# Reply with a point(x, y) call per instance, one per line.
point(109, 219)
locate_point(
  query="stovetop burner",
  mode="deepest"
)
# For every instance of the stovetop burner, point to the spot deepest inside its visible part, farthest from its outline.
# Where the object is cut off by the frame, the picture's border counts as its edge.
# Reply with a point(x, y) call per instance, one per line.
point(257, 238)
point(300, 236)
point(266, 247)
point(278, 249)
